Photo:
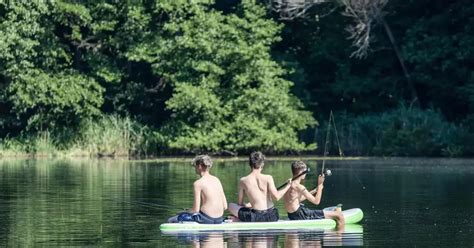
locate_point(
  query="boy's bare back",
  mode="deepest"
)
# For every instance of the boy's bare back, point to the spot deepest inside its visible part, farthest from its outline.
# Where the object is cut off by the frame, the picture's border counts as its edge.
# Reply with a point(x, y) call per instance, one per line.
point(298, 193)
point(258, 189)
point(293, 196)
point(209, 189)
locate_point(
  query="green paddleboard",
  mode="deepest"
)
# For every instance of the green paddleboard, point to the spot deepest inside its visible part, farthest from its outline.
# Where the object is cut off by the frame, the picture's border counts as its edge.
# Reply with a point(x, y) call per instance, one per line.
point(352, 216)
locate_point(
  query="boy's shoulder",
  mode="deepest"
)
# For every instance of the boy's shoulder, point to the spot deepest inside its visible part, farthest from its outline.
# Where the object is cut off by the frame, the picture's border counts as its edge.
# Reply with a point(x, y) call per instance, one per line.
point(244, 178)
point(214, 178)
point(267, 177)
point(206, 179)
point(299, 187)
point(249, 177)
point(200, 181)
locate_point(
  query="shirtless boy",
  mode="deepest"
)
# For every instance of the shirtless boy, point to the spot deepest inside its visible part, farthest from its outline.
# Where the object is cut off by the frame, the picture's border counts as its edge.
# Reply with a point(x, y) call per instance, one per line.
point(261, 191)
point(298, 193)
point(209, 199)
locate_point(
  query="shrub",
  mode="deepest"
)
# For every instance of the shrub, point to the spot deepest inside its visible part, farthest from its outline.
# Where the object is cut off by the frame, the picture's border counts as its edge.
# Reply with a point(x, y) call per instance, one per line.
point(401, 132)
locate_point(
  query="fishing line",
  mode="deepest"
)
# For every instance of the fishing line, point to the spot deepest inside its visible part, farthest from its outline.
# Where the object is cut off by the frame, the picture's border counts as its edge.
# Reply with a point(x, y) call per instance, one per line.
point(145, 204)
point(341, 153)
point(326, 143)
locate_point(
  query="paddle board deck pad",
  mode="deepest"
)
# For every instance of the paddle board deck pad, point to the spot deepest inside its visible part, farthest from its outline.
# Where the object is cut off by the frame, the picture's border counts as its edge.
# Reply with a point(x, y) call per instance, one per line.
point(352, 216)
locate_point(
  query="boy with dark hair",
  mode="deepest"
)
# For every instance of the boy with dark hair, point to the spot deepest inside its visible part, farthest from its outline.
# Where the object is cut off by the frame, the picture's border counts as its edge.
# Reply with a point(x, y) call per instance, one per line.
point(261, 190)
point(209, 199)
point(298, 193)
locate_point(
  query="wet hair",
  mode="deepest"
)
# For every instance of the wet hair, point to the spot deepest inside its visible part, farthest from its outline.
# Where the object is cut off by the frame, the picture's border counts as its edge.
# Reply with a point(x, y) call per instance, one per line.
point(256, 160)
point(203, 160)
point(298, 167)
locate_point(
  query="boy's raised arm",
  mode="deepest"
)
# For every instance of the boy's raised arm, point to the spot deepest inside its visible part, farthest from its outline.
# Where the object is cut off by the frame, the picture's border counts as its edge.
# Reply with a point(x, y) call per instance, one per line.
point(277, 194)
point(315, 199)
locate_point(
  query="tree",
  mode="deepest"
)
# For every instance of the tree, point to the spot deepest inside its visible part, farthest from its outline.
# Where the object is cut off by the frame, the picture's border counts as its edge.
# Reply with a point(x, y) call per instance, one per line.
point(438, 46)
point(228, 93)
point(40, 88)
point(365, 16)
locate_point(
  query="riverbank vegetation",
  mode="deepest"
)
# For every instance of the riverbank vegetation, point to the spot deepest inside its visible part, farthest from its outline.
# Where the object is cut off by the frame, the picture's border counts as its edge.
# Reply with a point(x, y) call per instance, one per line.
point(152, 78)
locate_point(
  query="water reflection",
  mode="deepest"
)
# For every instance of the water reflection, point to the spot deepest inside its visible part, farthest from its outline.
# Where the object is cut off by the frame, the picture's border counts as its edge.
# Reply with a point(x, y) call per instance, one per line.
point(202, 239)
point(123, 203)
point(351, 235)
point(227, 239)
point(70, 203)
point(257, 239)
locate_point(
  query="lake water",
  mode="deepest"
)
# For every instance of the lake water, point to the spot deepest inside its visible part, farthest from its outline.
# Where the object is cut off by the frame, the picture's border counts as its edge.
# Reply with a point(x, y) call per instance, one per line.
point(406, 202)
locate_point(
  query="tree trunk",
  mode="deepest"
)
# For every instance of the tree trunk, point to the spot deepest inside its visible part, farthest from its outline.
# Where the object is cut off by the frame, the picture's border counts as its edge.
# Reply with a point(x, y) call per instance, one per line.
point(411, 86)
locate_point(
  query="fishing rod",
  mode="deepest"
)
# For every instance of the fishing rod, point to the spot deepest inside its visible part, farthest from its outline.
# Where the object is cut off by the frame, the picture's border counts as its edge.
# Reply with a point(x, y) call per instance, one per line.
point(295, 177)
point(327, 172)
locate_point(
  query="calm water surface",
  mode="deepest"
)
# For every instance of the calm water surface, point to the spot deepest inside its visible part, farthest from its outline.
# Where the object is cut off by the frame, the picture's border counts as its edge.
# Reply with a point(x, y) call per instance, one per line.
point(408, 202)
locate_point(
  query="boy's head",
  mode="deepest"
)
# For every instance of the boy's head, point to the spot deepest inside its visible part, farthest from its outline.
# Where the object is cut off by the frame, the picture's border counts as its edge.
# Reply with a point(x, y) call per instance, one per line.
point(256, 160)
point(202, 161)
point(298, 167)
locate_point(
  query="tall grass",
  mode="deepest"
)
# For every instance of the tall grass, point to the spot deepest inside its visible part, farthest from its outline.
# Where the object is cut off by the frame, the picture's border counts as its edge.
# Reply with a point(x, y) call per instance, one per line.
point(42, 144)
point(38, 144)
point(113, 136)
point(106, 136)
point(11, 147)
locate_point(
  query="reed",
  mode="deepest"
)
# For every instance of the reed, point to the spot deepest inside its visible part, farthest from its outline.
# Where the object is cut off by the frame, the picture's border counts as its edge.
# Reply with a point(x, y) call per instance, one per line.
point(113, 136)
point(107, 136)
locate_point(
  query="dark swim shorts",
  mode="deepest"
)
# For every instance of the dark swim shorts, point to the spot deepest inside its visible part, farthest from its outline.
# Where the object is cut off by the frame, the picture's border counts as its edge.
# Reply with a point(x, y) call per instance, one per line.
point(252, 215)
point(304, 213)
point(200, 218)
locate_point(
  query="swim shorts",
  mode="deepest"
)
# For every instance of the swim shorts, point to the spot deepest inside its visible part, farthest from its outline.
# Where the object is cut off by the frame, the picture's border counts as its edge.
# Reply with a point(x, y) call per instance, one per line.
point(252, 215)
point(200, 218)
point(304, 213)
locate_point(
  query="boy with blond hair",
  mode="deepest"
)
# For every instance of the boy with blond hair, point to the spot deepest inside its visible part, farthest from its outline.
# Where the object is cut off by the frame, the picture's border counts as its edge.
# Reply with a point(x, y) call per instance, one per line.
point(209, 199)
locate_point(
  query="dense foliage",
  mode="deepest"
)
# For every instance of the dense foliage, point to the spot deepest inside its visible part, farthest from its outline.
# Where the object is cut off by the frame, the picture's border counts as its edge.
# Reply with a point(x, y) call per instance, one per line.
point(227, 91)
point(40, 85)
point(170, 77)
point(400, 132)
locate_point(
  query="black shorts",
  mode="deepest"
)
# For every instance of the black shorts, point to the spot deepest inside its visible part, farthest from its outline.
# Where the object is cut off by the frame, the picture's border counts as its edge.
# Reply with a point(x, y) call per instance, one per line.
point(200, 218)
point(304, 213)
point(252, 215)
